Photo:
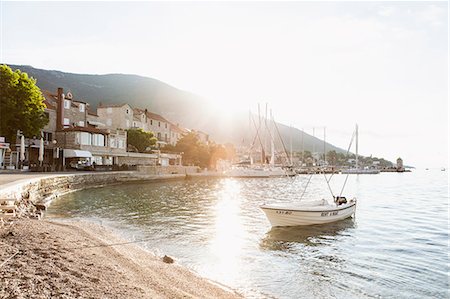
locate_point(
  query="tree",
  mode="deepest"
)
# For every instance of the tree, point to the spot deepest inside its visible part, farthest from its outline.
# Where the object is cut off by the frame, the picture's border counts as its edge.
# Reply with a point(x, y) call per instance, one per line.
point(216, 152)
point(200, 154)
point(332, 158)
point(191, 148)
point(21, 104)
point(140, 139)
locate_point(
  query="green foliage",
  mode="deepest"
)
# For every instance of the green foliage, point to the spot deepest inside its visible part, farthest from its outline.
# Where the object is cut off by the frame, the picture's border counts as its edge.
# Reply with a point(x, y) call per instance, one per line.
point(332, 157)
point(140, 139)
point(198, 153)
point(192, 149)
point(21, 105)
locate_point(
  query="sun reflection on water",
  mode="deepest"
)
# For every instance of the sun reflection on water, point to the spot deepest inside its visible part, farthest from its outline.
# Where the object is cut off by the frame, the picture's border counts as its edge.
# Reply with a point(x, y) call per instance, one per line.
point(228, 233)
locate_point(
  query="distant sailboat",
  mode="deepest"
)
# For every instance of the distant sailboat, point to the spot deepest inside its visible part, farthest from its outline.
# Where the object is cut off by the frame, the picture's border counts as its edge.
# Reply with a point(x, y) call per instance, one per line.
point(357, 169)
point(267, 167)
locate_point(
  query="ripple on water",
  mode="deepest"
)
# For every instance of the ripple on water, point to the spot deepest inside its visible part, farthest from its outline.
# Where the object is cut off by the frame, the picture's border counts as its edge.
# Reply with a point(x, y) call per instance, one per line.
point(395, 247)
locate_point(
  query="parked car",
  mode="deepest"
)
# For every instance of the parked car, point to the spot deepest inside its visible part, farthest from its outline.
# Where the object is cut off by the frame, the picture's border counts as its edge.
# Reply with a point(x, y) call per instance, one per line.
point(81, 165)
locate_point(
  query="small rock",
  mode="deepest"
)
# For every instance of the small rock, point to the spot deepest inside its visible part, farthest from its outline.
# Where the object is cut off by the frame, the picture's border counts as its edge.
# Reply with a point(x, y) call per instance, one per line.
point(168, 259)
point(40, 207)
point(94, 279)
point(10, 234)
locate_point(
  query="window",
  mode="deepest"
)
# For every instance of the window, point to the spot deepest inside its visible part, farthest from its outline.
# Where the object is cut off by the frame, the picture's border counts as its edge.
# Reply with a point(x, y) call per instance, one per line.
point(109, 110)
point(48, 136)
point(166, 125)
point(121, 143)
point(165, 137)
point(151, 122)
point(128, 123)
point(67, 104)
point(112, 142)
point(85, 138)
point(66, 122)
point(134, 124)
point(98, 139)
point(159, 124)
point(108, 122)
point(81, 123)
point(81, 107)
point(128, 111)
point(98, 160)
point(159, 136)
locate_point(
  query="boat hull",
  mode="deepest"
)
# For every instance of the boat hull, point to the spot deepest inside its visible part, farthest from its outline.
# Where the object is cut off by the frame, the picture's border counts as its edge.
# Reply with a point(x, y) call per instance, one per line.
point(360, 171)
point(247, 173)
point(279, 216)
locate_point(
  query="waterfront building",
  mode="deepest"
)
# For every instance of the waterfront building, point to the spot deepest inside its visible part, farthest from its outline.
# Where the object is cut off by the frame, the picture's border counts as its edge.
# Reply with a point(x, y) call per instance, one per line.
point(4, 148)
point(149, 121)
point(176, 132)
point(202, 136)
point(116, 116)
point(81, 134)
point(76, 132)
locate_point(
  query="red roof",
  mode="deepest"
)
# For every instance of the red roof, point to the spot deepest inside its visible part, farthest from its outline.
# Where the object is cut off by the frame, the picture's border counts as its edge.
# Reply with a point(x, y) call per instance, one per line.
point(150, 115)
point(111, 105)
point(177, 129)
point(49, 100)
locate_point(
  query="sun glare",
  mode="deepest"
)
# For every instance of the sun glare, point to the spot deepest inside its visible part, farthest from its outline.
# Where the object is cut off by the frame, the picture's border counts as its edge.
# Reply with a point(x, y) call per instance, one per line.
point(226, 246)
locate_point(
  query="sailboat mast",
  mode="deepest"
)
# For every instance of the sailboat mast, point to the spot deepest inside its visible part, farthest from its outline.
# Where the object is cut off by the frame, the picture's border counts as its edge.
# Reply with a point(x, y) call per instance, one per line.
point(259, 127)
point(272, 142)
point(290, 139)
point(266, 133)
point(324, 145)
point(314, 145)
point(356, 132)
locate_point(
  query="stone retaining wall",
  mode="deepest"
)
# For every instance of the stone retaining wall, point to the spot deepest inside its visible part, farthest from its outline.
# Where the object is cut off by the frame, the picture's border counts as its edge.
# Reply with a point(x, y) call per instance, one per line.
point(37, 193)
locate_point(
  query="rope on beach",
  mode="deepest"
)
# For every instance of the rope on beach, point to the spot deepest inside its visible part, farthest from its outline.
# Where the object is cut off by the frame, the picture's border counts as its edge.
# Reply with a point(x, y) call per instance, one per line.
point(18, 251)
point(9, 258)
point(110, 245)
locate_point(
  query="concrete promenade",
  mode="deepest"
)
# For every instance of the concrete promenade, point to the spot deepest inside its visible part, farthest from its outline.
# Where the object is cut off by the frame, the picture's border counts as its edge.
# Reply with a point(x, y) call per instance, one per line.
point(8, 178)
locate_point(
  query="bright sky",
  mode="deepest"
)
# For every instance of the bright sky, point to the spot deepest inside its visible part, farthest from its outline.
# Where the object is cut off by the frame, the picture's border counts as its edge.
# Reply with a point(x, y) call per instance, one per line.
point(383, 65)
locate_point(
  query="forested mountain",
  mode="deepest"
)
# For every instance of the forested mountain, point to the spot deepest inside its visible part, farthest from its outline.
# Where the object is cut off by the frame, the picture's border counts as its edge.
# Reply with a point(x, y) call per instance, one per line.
point(178, 106)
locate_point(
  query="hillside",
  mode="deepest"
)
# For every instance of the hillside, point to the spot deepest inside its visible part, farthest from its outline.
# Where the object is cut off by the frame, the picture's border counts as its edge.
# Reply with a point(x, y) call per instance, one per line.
point(179, 106)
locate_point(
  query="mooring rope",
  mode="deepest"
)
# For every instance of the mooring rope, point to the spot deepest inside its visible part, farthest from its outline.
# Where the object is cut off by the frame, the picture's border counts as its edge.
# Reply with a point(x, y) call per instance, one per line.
point(307, 183)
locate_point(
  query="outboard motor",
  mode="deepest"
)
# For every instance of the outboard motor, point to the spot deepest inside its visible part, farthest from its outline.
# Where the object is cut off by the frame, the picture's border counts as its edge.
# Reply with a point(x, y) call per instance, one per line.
point(340, 200)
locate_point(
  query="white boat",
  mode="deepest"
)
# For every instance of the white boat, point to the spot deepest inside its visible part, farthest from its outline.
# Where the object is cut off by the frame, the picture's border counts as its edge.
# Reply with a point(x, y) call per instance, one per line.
point(277, 171)
point(254, 171)
point(309, 212)
point(266, 168)
point(357, 169)
point(246, 172)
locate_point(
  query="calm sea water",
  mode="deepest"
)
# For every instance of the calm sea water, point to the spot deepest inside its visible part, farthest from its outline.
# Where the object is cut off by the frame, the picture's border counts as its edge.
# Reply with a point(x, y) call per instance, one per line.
point(396, 246)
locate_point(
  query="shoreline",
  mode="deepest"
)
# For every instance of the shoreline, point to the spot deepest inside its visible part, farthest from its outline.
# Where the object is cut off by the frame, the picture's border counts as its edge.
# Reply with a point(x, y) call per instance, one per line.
point(33, 192)
point(39, 259)
point(78, 259)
